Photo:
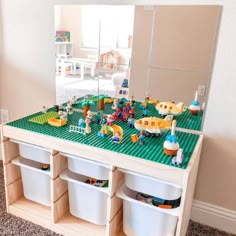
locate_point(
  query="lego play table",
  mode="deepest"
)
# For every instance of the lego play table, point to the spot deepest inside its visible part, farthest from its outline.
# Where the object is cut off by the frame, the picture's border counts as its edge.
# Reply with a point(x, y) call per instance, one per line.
point(147, 159)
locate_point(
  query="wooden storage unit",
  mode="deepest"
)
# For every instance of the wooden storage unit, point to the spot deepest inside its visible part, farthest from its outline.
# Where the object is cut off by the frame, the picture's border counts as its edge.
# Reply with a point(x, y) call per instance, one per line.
point(64, 49)
point(57, 217)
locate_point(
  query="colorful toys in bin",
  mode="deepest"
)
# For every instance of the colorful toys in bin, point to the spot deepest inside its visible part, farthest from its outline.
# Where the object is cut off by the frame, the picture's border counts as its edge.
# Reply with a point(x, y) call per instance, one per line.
point(170, 108)
point(167, 204)
point(195, 108)
point(45, 167)
point(97, 183)
point(144, 198)
point(158, 202)
point(171, 145)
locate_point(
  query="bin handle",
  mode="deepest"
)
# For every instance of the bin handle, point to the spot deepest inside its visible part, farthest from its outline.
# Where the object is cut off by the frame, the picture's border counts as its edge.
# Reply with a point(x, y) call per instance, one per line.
point(150, 178)
point(64, 175)
point(16, 161)
point(86, 160)
point(30, 145)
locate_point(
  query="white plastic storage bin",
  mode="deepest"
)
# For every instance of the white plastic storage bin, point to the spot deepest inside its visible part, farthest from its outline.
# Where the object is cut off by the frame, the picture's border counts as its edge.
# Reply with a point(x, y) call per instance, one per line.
point(86, 201)
point(33, 152)
point(87, 167)
point(142, 219)
point(36, 182)
point(152, 186)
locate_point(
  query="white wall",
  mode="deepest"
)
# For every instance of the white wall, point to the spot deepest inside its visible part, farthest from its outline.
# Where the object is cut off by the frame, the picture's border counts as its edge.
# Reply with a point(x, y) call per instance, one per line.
point(28, 68)
point(1, 54)
point(28, 84)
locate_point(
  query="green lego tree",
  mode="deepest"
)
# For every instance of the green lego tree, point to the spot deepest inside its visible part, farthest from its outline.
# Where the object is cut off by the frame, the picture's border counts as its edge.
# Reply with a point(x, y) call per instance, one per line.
point(86, 105)
point(101, 98)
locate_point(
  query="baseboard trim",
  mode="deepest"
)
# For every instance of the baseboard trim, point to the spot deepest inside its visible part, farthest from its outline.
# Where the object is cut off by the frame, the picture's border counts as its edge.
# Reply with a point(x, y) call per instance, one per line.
point(214, 216)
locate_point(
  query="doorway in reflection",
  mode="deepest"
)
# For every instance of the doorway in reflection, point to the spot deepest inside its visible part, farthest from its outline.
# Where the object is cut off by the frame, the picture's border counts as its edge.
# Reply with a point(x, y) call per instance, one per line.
point(92, 49)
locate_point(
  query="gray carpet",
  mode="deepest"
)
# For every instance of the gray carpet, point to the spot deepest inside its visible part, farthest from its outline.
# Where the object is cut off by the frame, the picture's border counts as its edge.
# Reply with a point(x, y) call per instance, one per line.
point(12, 225)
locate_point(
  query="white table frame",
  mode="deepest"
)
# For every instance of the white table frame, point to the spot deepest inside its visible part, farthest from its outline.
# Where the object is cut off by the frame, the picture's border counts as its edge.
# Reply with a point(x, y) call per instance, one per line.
point(74, 62)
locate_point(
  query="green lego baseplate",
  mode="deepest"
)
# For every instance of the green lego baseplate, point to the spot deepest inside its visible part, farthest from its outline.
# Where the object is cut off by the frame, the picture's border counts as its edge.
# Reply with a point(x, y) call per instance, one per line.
point(152, 150)
point(186, 120)
point(43, 118)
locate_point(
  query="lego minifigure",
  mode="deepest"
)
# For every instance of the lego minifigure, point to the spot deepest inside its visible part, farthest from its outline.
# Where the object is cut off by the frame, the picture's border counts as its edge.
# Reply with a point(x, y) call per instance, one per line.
point(132, 111)
point(141, 137)
point(45, 109)
point(115, 104)
point(119, 114)
point(99, 117)
point(131, 121)
point(82, 123)
point(116, 138)
point(87, 127)
point(109, 120)
point(144, 112)
point(69, 108)
point(89, 116)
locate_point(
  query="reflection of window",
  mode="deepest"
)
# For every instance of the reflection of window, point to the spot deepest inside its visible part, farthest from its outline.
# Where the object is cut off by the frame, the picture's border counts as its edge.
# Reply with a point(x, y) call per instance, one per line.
point(116, 24)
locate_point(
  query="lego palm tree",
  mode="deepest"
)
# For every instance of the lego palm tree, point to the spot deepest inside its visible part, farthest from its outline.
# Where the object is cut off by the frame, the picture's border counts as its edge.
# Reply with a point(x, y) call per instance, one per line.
point(86, 105)
point(101, 98)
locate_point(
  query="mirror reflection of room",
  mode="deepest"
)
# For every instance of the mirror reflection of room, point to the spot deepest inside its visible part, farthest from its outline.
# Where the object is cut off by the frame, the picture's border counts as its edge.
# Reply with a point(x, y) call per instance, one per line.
point(93, 49)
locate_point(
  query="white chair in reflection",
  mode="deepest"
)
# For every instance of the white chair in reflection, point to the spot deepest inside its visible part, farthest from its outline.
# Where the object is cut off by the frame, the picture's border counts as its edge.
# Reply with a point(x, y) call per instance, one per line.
point(118, 78)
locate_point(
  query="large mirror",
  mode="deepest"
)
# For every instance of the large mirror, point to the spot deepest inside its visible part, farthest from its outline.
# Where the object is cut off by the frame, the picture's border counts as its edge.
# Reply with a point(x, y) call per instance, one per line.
point(176, 54)
point(164, 52)
point(93, 49)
